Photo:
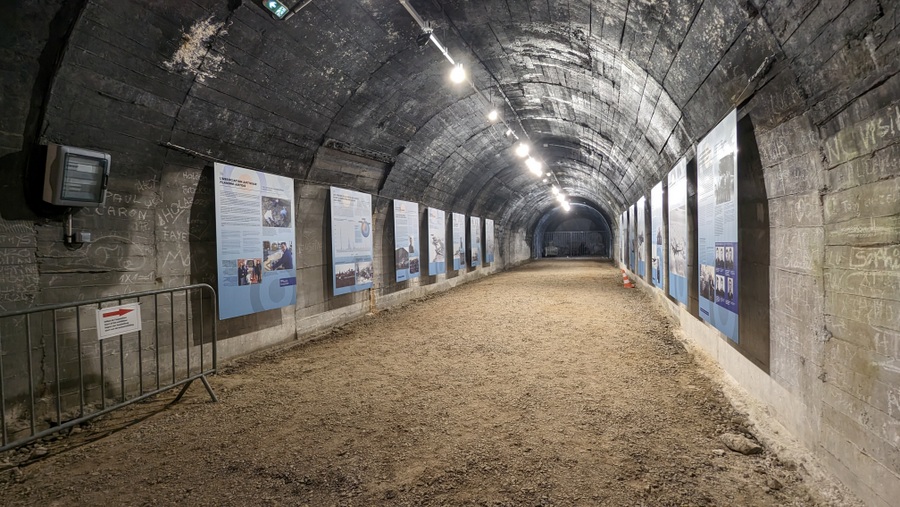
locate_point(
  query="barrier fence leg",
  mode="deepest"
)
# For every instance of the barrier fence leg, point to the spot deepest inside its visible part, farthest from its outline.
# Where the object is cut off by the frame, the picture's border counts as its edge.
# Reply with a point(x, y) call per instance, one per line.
point(181, 392)
point(185, 387)
point(212, 394)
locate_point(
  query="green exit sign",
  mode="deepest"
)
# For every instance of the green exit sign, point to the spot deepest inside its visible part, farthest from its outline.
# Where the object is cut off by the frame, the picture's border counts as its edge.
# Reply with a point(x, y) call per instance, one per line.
point(275, 7)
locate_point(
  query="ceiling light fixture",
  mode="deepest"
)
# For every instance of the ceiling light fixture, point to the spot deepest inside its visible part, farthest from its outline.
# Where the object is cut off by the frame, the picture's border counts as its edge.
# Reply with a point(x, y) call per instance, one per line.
point(534, 166)
point(424, 37)
point(522, 150)
point(458, 74)
point(555, 190)
point(493, 115)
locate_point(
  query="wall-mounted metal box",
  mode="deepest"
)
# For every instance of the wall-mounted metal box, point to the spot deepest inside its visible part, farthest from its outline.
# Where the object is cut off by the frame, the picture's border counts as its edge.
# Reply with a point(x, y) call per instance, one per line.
point(75, 176)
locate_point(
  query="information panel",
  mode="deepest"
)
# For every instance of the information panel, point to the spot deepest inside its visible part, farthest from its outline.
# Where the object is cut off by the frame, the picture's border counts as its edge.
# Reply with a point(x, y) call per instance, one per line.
point(475, 231)
point(717, 226)
point(459, 241)
point(657, 245)
point(488, 240)
point(254, 240)
point(678, 241)
point(437, 248)
point(623, 225)
point(641, 242)
point(351, 240)
point(631, 239)
point(406, 239)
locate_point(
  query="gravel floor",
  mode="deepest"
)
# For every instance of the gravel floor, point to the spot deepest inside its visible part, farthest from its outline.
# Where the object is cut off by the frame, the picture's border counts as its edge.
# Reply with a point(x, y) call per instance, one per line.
point(546, 385)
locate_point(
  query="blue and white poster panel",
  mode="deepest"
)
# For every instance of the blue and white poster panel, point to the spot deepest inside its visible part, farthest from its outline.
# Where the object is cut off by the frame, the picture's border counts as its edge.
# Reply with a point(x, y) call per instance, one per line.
point(717, 226)
point(459, 241)
point(678, 242)
point(623, 224)
point(631, 239)
point(406, 239)
point(351, 240)
point(657, 245)
point(475, 231)
point(255, 241)
point(437, 249)
point(488, 240)
point(641, 243)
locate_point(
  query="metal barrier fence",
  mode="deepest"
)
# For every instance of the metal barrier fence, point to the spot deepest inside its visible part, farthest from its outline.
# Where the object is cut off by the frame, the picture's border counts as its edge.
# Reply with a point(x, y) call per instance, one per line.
point(574, 244)
point(56, 373)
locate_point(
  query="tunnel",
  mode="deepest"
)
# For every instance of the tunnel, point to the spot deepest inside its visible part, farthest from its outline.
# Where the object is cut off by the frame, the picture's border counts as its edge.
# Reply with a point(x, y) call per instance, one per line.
point(580, 231)
point(187, 185)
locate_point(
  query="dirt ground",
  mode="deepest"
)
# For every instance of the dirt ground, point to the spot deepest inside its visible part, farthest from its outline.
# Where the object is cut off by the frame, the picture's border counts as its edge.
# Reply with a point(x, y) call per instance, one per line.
point(546, 385)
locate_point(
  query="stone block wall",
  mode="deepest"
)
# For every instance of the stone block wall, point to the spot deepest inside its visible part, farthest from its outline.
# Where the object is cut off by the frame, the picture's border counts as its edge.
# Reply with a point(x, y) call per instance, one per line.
point(827, 125)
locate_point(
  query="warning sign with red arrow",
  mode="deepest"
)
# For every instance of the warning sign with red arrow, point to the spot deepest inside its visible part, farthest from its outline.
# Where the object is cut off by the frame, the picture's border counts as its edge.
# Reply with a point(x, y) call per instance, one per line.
point(118, 320)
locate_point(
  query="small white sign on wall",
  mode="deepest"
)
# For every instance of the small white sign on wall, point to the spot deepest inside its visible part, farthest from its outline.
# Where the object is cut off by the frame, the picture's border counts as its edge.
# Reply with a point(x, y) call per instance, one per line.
point(118, 320)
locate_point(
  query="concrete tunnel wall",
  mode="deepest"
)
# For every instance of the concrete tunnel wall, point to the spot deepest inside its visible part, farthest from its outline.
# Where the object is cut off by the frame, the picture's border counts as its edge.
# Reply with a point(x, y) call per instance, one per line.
point(610, 93)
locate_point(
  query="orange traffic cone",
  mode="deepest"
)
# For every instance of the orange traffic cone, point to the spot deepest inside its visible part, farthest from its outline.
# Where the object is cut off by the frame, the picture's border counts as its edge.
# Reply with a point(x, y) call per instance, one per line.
point(625, 281)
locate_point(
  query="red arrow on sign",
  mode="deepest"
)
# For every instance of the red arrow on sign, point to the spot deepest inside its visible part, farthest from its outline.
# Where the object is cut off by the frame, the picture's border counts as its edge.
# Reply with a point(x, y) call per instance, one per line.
point(118, 313)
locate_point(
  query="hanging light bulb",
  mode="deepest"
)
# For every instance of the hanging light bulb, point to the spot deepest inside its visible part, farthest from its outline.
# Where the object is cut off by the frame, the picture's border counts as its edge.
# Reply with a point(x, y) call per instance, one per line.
point(534, 166)
point(561, 197)
point(566, 206)
point(555, 190)
point(522, 150)
point(493, 115)
point(544, 180)
point(458, 74)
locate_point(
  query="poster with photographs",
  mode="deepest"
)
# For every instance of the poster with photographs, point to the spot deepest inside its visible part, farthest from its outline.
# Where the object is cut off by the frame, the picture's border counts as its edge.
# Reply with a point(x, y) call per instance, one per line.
point(717, 232)
point(406, 239)
point(475, 234)
point(351, 241)
point(488, 240)
point(632, 247)
point(641, 238)
point(437, 239)
point(678, 243)
point(657, 237)
point(459, 241)
point(254, 240)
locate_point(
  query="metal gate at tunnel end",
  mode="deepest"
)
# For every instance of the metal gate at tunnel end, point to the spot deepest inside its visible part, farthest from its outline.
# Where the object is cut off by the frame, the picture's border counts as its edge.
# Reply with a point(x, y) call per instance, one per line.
point(574, 244)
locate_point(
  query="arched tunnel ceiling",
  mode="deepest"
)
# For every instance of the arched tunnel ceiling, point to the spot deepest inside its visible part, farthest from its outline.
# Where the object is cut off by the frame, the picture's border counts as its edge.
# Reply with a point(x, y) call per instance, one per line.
point(598, 119)
point(609, 93)
point(596, 87)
